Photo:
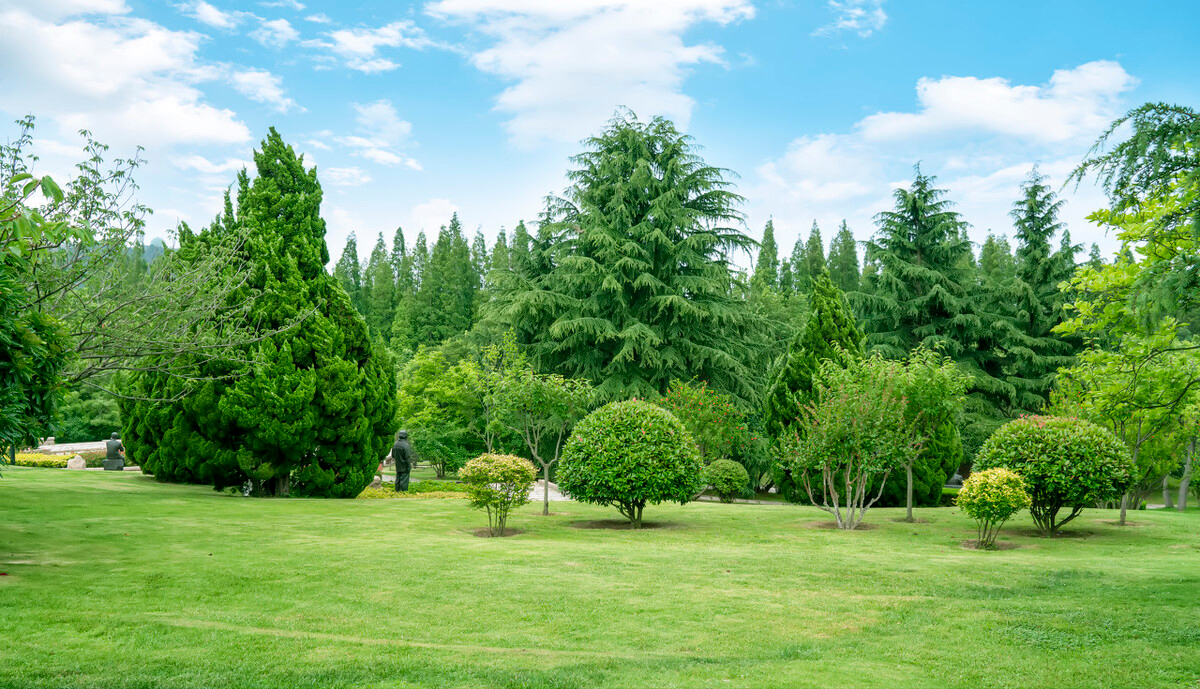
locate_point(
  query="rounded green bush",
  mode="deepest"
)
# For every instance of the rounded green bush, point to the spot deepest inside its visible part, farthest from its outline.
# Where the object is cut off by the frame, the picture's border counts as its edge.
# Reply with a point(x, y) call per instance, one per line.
point(628, 455)
point(991, 497)
point(1065, 462)
point(727, 478)
point(497, 483)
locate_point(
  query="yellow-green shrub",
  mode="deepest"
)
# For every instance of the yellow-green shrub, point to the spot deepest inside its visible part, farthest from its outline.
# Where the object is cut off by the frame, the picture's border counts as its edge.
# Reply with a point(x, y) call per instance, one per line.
point(369, 493)
point(29, 459)
point(497, 483)
point(991, 497)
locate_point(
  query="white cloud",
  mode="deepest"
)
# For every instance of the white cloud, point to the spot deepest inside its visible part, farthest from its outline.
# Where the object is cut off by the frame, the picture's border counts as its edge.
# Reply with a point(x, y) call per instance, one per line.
point(345, 176)
point(573, 63)
point(261, 86)
point(206, 13)
point(380, 131)
point(981, 137)
point(427, 217)
point(59, 9)
point(207, 167)
point(275, 33)
point(1074, 103)
point(289, 4)
point(359, 48)
point(130, 81)
point(863, 17)
point(318, 18)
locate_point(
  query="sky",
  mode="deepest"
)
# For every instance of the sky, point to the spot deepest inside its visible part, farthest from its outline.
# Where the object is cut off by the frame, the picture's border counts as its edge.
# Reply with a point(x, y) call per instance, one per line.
point(410, 112)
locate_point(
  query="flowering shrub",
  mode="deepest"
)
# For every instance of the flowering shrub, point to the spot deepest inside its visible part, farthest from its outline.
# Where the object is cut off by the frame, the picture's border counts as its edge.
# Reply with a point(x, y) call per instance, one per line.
point(628, 455)
point(727, 478)
point(1065, 463)
point(497, 483)
point(718, 427)
point(991, 497)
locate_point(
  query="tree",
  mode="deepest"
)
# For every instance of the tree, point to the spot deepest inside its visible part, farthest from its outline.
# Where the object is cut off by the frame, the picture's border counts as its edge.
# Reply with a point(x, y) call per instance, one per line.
point(712, 418)
point(640, 293)
point(309, 411)
point(1066, 464)
point(349, 274)
point(498, 261)
point(497, 483)
point(801, 277)
point(787, 283)
point(991, 497)
point(851, 437)
point(629, 455)
point(480, 260)
point(814, 253)
point(996, 264)
point(438, 404)
point(843, 260)
point(379, 302)
point(766, 269)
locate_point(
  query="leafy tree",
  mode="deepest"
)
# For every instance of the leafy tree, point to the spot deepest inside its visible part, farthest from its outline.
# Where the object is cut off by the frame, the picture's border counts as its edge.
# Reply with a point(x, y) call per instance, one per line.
point(439, 405)
point(713, 419)
point(1065, 463)
point(349, 273)
point(310, 410)
point(843, 260)
point(497, 483)
point(85, 415)
point(766, 270)
point(641, 291)
point(851, 437)
point(629, 455)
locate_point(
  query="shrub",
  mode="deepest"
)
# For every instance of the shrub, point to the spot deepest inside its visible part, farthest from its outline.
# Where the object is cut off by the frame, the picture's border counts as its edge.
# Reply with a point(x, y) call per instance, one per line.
point(949, 495)
point(990, 497)
point(711, 417)
point(497, 483)
point(628, 455)
point(1065, 462)
point(437, 487)
point(369, 493)
point(30, 459)
point(727, 478)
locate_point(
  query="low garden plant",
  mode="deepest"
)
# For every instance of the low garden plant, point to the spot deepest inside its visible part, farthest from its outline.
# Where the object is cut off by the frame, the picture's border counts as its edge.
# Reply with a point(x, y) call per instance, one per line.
point(991, 497)
point(1066, 463)
point(727, 478)
point(497, 483)
point(629, 455)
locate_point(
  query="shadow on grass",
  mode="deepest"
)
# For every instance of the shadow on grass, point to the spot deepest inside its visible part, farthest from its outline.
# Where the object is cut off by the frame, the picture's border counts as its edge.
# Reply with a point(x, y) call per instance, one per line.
point(826, 524)
point(622, 525)
point(487, 533)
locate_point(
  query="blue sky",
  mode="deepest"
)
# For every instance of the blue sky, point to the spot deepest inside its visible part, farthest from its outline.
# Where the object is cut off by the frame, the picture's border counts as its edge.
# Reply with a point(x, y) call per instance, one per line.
point(414, 111)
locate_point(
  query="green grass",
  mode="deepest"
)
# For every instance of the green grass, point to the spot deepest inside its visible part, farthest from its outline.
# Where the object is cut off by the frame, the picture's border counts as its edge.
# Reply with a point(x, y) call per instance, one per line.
point(114, 580)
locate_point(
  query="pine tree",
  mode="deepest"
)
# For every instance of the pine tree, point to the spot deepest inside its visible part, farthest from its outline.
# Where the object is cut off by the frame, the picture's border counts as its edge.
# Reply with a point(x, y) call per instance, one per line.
point(518, 253)
point(314, 411)
point(380, 300)
point(996, 263)
point(801, 278)
point(642, 292)
point(420, 260)
point(843, 260)
point(814, 253)
point(445, 301)
point(498, 261)
point(349, 274)
point(399, 256)
point(480, 261)
point(1095, 258)
point(766, 270)
point(787, 283)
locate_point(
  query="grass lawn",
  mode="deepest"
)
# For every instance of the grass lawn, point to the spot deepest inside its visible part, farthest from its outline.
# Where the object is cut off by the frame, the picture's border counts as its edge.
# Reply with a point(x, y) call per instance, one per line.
point(114, 580)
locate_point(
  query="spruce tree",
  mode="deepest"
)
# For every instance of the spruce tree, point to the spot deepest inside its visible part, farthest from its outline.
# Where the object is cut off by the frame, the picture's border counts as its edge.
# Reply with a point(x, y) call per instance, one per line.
point(843, 260)
point(1095, 258)
point(310, 409)
point(348, 272)
point(641, 291)
point(766, 270)
point(399, 256)
point(420, 260)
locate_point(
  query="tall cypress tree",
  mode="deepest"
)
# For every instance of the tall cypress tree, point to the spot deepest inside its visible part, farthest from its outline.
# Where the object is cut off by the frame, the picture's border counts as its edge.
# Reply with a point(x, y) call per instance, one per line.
point(314, 411)
point(814, 253)
point(420, 260)
point(996, 262)
point(766, 270)
point(380, 300)
point(641, 293)
point(518, 255)
point(787, 283)
point(843, 260)
point(498, 261)
point(801, 278)
point(480, 261)
point(348, 272)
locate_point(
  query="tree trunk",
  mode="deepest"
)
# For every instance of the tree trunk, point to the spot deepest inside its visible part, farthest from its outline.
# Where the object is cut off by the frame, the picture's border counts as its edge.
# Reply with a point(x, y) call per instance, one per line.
point(908, 497)
point(546, 491)
point(1167, 504)
point(1124, 507)
point(1186, 479)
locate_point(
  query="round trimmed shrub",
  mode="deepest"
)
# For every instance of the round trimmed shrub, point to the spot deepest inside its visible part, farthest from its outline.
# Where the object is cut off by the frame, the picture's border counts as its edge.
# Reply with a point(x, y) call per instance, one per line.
point(629, 455)
point(991, 497)
point(497, 483)
point(1065, 462)
point(727, 478)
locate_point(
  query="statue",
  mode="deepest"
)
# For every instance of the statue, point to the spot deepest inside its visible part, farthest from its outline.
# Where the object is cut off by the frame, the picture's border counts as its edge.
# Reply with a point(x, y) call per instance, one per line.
point(115, 460)
point(403, 457)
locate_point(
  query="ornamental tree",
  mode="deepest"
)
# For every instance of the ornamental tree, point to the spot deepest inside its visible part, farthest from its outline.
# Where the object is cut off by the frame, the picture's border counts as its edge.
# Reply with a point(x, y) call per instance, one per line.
point(713, 420)
point(1066, 463)
point(629, 455)
point(991, 497)
point(497, 483)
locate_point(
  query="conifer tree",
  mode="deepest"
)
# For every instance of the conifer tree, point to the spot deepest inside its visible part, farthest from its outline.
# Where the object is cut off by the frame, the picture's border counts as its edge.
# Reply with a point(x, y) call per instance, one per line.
point(641, 293)
point(498, 261)
point(313, 412)
point(518, 254)
point(380, 300)
point(348, 272)
point(843, 260)
point(787, 283)
point(766, 270)
point(801, 278)
point(480, 261)
point(814, 253)
point(996, 263)
point(1095, 258)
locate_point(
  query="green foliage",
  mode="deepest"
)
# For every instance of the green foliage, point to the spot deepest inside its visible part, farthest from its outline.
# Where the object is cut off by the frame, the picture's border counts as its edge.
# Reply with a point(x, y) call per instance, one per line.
point(85, 415)
point(635, 288)
point(628, 455)
point(307, 405)
point(766, 268)
point(852, 436)
point(30, 459)
point(843, 261)
point(385, 493)
point(439, 405)
point(991, 497)
point(728, 479)
point(1066, 463)
point(717, 425)
point(497, 483)
point(349, 275)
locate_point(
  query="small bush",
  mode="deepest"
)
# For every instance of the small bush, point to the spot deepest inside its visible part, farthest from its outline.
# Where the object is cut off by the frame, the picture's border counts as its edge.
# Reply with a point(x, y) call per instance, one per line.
point(991, 497)
point(727, 478)
point(497, 483)
point(948, 497)
point(1065, 462)
point(628, 455)
point(30, 459)
point(437, 487)
point(385, 493)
